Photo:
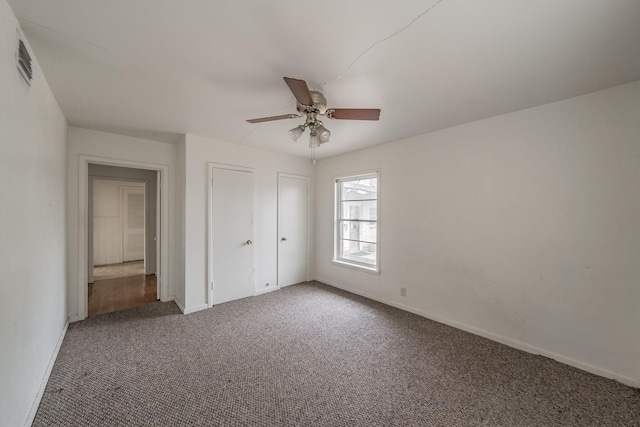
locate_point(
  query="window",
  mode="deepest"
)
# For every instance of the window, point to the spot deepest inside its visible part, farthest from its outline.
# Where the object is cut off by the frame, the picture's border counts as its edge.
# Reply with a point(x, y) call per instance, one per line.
point(356, 234)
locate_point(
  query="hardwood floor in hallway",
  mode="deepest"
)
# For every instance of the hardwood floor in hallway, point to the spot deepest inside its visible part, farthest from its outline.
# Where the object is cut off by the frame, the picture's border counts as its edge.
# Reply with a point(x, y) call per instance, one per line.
point(110, 295)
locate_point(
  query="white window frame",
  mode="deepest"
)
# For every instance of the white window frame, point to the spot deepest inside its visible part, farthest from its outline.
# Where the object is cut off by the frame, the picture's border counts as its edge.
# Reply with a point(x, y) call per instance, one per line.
point(337, 218)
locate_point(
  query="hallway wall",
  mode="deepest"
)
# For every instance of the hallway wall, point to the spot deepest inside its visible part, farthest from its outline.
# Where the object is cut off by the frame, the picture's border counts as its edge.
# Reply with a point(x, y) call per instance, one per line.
point(33, 146)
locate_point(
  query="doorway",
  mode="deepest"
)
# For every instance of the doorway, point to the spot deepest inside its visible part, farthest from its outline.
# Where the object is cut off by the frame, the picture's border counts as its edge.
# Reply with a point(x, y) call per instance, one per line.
point(123, 229)
point(80, 271)
point(293, 212)
point(231, 231)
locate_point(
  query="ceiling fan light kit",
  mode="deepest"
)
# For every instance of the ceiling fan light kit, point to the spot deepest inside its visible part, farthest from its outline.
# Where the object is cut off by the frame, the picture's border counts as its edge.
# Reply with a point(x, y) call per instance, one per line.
point(323, 133)
point(314, 140)
point(317, 129)
point(311, 104)
point(296, 132)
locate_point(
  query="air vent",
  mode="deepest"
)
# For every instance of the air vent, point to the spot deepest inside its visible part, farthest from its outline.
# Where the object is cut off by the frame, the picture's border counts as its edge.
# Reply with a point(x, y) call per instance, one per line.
point(24, 63)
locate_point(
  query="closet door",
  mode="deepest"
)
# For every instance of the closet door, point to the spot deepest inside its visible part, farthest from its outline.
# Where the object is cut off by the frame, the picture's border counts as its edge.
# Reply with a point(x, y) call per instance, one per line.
point(293, 202)
point(232, 253)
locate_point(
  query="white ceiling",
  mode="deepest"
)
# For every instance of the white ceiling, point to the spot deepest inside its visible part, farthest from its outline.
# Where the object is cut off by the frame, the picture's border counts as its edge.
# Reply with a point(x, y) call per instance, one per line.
point(160, 68)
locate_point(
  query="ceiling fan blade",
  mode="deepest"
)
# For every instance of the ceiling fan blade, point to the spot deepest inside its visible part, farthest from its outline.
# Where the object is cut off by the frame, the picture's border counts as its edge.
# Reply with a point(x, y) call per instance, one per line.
point(353, 113)
point(300, 90)
point(272, 118)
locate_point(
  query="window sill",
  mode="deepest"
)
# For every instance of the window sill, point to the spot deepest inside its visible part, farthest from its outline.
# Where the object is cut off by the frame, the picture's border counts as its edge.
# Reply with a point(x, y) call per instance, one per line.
point(369, 270)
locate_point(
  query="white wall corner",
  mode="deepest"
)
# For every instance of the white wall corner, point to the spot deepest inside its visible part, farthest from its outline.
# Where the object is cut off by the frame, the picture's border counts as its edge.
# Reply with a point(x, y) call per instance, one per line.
point(180, 304)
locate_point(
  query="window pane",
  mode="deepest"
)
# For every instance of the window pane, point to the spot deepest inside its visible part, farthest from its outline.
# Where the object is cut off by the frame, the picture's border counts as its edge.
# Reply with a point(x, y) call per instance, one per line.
point(362, 231)
point(359, 189)
point(365, 210)
point(357, 214)
point(364, 253)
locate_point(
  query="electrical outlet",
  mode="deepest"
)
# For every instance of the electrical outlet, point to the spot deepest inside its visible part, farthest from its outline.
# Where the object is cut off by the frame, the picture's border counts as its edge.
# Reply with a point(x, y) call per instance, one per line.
point(403, 292)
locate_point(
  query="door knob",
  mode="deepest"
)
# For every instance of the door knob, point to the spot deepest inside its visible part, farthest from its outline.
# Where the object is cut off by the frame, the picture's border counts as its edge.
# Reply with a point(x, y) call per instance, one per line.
point(284, 239)
point(249, 242)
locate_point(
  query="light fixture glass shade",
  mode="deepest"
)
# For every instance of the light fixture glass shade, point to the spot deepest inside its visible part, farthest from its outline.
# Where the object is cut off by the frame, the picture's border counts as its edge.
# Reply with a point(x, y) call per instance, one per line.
point(314, 140)
point(295, 133)
point(323, 133)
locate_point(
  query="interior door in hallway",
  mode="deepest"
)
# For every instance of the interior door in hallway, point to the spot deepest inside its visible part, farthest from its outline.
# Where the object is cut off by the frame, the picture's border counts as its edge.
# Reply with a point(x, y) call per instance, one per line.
point(231, 235)
point(293, 210)
point(133, 224)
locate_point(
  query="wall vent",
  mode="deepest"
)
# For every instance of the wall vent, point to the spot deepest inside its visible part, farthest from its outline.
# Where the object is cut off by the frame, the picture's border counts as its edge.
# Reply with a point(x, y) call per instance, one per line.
point(24, 62)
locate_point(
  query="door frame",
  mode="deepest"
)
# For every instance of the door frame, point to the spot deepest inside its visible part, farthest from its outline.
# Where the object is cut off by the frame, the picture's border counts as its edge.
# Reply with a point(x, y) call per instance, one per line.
point(210, 234)
point(308, 222)
point(162, 226)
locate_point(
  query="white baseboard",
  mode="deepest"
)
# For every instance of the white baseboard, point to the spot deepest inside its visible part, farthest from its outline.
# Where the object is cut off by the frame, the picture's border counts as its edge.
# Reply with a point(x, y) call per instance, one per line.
point(494, 337)
point(266, 290)
point(194, 309)
point(74, 319)
point(179, 304)
point(45, 378)
point(190, 310)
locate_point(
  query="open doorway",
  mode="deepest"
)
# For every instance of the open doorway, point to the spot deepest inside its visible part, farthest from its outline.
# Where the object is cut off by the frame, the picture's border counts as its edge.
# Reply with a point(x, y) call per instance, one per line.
point(123, 227)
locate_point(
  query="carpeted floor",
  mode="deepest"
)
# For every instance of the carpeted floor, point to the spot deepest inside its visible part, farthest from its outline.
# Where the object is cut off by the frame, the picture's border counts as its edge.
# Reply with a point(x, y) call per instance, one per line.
point(311, 355)
point(114, 271)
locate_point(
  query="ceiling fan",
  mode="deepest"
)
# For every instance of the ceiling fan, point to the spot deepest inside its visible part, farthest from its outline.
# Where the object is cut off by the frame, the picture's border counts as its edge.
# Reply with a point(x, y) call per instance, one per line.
point(311, 104)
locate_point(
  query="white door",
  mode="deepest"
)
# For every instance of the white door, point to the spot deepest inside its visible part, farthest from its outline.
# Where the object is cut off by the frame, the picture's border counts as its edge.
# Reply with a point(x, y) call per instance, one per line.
point(292, 229)
point(232, 261)
point(132, 224)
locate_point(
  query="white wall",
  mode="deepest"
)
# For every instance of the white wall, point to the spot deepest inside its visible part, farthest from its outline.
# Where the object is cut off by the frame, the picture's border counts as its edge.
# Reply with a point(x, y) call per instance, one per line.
point(107, 220)
point(524, 228)
point(199, 152)
point(33, 139)
point(118, 148)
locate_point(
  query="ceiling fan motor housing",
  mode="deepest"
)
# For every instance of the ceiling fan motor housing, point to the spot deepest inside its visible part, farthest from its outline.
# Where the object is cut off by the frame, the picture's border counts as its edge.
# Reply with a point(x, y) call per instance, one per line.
point(319, 104)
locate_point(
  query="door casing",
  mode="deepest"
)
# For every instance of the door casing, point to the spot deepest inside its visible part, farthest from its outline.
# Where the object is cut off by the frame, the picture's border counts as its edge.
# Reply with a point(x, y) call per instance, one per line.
point(162, 226)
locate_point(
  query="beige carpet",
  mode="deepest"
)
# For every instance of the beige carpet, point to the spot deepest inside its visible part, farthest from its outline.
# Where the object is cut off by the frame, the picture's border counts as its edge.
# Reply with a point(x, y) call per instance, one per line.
point(311, 355)
point(113, 271)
